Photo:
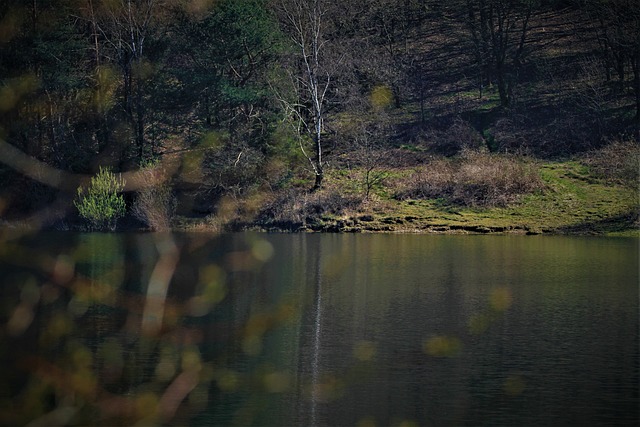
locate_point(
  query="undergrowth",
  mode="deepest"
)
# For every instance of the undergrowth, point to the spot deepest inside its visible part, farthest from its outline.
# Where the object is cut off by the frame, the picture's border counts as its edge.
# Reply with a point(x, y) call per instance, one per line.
point(618, 162)
point(473, 179)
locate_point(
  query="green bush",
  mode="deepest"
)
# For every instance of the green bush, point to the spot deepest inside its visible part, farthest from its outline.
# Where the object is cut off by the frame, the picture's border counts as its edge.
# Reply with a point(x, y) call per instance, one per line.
point(102, 204)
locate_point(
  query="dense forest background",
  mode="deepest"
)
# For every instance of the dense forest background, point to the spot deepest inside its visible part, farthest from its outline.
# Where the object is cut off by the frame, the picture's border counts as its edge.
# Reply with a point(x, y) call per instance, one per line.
point(244, 105)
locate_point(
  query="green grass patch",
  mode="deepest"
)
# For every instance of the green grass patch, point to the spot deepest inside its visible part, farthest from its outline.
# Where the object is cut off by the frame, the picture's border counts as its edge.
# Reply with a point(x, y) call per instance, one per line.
point(571, 202)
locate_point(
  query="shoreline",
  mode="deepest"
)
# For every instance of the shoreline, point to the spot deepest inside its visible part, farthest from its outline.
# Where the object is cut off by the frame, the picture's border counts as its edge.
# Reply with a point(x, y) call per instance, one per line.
point(622, 226)
point(571, 202)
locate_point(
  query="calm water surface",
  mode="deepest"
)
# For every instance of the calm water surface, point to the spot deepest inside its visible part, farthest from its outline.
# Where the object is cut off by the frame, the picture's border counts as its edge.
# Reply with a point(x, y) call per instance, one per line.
point(319, 330)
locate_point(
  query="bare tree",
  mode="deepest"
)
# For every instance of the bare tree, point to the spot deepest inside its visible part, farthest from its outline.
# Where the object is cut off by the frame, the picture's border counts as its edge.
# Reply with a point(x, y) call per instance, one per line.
point(123, 27)
point(311, 72)
point(372, 155)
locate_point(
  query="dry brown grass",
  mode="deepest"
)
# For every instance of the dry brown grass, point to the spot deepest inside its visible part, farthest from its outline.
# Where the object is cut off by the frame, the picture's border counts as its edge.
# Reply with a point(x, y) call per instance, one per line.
point(154, 205)
point(618, 162)
point(296, 207)
point(475, 179)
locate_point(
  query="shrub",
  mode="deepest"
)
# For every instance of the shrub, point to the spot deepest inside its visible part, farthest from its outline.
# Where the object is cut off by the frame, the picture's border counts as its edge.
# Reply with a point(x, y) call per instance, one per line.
point(295, 207)
point(432, 181)
point(484, 180)
point(475, 179)
point(618, 162)
point(232, 170)
point(456, 138)
point(155, 204)
point(101, 203)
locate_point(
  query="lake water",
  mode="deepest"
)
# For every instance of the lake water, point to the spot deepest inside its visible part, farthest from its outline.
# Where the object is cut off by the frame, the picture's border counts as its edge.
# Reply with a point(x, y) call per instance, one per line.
point(318, 330)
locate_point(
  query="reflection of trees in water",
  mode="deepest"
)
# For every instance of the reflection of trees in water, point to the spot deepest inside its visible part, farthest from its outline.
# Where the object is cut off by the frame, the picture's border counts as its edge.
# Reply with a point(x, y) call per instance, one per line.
point(105, 341)
point(334, 329)
point(100, 259)
point(317, 330)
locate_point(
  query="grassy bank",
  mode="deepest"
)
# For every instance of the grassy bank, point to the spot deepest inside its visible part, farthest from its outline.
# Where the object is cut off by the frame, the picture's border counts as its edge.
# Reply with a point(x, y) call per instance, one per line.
point(511, 195)
point(570, 200)
point(570, 203)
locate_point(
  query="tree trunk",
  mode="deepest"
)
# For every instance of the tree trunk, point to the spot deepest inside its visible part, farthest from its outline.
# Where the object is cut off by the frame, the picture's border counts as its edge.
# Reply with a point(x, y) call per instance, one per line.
point(503, 89)
point(635, 65)
point(139, 123)
point(619, 66)
point(319, 171)
point(319, 177)
point(140, 135)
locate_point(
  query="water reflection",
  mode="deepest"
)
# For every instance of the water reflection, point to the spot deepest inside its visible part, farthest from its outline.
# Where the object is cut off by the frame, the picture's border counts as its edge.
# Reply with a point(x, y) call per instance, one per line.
point(244, 329)
point(318, 394)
